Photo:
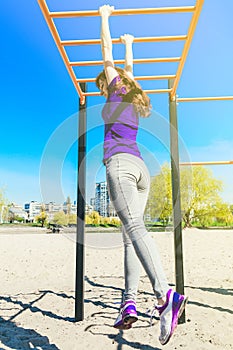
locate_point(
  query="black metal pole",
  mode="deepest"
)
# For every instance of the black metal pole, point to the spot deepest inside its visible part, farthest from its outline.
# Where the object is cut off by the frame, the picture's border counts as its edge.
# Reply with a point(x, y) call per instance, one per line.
point(81, 195)
point(177, 216)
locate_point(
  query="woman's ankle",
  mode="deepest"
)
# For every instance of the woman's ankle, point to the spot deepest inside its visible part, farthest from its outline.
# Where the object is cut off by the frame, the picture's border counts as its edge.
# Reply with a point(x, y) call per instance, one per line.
point(161, 301)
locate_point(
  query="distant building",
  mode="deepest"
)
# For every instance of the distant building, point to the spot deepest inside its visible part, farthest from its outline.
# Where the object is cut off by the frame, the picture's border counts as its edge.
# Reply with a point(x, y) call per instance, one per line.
point(103, 204)
point(92, 202)
point(3, 213)
point(51, 209)
point(111, 210)
point(89, 209)
point(69, 208)
point(32, 209)
point(16, 212)
point(101, 198)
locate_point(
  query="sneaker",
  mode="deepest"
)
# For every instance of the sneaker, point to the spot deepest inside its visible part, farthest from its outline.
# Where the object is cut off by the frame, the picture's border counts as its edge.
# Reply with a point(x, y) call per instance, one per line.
point(169, 313)
point(127, 315)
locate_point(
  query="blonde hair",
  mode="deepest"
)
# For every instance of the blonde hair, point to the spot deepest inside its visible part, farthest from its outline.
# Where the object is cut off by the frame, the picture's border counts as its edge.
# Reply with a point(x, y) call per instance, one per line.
point(134, 93)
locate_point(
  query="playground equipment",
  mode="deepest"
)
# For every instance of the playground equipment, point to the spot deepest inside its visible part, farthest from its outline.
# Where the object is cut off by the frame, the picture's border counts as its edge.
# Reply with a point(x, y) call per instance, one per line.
point(173, 81)
point(217, 162)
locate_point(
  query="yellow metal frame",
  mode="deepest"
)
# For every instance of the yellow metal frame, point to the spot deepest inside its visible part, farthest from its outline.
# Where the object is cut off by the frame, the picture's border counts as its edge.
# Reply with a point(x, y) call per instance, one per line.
point(199, 99)
point(220, 162)
point(187, 38)
point(136, 60)
point(139, 11)
point(148, 39)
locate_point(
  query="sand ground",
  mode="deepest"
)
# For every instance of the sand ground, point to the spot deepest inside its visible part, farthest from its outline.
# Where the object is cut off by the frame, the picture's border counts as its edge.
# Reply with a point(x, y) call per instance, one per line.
point(38, 281)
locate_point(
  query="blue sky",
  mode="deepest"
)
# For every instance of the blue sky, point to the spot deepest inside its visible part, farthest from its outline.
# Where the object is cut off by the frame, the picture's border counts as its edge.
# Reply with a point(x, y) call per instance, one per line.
point(39, 102)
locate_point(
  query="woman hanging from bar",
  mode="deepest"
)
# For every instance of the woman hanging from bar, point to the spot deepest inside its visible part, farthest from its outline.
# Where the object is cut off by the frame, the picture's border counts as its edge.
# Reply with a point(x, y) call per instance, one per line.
point(129, 182)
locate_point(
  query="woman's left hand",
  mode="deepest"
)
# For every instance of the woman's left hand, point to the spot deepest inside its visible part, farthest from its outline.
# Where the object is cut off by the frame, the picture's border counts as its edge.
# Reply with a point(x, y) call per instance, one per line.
point(127, 38)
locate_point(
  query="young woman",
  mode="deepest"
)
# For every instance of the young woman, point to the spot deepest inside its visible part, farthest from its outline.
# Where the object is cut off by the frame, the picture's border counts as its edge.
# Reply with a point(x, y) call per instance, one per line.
point(128, 183)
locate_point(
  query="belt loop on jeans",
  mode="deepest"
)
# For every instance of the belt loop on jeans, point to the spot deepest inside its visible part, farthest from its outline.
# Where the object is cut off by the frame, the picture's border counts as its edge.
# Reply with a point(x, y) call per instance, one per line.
point(105, 161)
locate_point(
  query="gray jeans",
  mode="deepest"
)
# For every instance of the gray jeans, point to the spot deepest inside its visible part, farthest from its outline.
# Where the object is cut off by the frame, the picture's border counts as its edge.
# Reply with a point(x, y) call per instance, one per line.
point(128, 185)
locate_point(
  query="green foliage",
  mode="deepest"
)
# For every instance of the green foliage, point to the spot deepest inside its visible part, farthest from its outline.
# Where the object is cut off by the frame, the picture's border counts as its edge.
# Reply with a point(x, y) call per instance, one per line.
point(68, 204)
point(2, 199)
point(224, 214)
point(200, 197)
point(41, 218)
point(115, 222)
point(12, 217)
point(104, 221)
point(3, 207)
point(95, 219)
point(88, 220)
point(203, 195)
point(160, 198)
point(72, 218)
point(18, 218)
point(231, 208)
point(60, 218)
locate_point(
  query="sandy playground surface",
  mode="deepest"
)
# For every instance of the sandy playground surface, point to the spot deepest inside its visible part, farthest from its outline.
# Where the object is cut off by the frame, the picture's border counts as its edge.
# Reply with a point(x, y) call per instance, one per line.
point(37, 292)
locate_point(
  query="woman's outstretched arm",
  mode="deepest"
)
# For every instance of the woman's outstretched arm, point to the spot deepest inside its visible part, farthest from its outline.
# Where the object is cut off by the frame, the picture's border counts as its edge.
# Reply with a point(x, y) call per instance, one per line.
point(106, 43)
point(128, 39)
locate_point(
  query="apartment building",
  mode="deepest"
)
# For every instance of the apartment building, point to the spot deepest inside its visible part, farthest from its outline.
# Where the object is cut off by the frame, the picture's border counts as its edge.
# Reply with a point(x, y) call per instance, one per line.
point(101, 198)
point(32, 209)
point(102, 203)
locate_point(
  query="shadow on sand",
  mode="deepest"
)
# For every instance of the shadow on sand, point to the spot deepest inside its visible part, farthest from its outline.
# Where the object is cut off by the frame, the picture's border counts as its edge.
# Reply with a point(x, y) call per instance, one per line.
point(11, 332)
point(16, 337)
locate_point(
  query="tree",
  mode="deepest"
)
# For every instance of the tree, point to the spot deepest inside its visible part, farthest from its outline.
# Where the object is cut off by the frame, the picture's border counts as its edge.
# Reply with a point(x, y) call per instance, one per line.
point(72, 218)
point(199, 195)
point(231, 208)
point(224, 214)
point(203, 195)
point(115, 221)
point(68, 204)
point(41, 218)
point(95, 216)
point(60, 218)
point(3, 207)
point(88, 220)
point(159, 203)
point(105, 221)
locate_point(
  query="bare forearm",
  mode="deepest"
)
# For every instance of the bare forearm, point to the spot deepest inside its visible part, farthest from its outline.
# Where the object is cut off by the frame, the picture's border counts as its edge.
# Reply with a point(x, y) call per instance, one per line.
point(129, 58)
point(127, 39)
point(106, 41)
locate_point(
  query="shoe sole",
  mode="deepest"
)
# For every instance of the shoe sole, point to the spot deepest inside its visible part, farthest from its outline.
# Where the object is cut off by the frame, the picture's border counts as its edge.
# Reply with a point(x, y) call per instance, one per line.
point(182, 307)
point(180, 312)
point(127, 323)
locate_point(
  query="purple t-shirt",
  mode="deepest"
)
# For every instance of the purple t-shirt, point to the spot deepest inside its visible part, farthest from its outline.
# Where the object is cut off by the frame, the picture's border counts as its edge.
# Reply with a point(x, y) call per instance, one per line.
point(120, 129)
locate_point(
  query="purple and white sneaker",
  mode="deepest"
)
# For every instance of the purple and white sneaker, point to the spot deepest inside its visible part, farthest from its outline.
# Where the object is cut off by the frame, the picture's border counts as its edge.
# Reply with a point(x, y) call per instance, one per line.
point(127, 315)
point(169, 313)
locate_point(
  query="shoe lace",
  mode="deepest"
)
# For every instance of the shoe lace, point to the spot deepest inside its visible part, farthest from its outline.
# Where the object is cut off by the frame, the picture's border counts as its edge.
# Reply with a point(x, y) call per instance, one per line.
point(151, 312)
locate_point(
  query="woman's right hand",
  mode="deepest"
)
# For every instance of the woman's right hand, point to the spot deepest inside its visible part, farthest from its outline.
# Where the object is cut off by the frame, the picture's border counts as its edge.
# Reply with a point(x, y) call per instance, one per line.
point(106, 10)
